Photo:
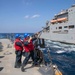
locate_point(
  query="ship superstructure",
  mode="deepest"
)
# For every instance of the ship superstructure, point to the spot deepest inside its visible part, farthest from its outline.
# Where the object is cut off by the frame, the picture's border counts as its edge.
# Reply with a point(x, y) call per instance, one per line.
point(61, 27)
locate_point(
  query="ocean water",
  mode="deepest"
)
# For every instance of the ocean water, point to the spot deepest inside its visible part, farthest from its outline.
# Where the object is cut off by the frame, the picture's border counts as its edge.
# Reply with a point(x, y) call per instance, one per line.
point(12, 35)
point(63, 55)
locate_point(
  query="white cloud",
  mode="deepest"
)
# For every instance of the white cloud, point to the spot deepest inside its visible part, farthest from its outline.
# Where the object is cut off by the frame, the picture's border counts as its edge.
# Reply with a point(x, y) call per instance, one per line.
point(27, 2)
point(26, 17)
point(35, 16)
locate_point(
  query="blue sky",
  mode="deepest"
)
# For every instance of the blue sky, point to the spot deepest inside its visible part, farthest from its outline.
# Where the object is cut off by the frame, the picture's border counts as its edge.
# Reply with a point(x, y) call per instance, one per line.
point(28, 15)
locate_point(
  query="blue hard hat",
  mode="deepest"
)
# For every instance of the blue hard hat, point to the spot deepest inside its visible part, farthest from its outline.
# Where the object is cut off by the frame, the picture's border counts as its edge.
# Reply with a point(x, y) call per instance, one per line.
point(25, 35)
point(17, 35)
point(28, 35)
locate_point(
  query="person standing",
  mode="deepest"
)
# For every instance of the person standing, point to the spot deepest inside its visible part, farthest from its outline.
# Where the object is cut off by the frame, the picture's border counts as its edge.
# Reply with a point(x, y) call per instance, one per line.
point(38, 56)
point(18, 50)
point(29, 50)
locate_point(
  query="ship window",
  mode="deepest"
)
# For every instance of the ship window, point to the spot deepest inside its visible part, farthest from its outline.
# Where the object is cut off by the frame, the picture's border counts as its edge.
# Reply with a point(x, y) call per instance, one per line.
point(65, 26)
point(56, 27)
point(71, 10)
point(60, 27)
point(71, 26)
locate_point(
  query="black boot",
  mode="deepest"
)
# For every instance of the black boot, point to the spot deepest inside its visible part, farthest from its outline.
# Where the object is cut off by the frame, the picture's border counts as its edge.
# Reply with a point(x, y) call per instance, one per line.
point(22, 69)
point(33, 65)
point(16, 66)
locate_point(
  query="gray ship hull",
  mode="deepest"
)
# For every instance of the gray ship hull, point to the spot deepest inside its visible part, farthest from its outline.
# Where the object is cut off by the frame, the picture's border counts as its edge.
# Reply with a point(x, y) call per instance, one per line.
point(61, 28)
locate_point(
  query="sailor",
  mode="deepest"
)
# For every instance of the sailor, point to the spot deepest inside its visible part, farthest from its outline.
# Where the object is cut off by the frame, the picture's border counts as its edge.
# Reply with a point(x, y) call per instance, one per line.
point(29, 50)
point(38, 56)
point(18, 50)
point(35, 40)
